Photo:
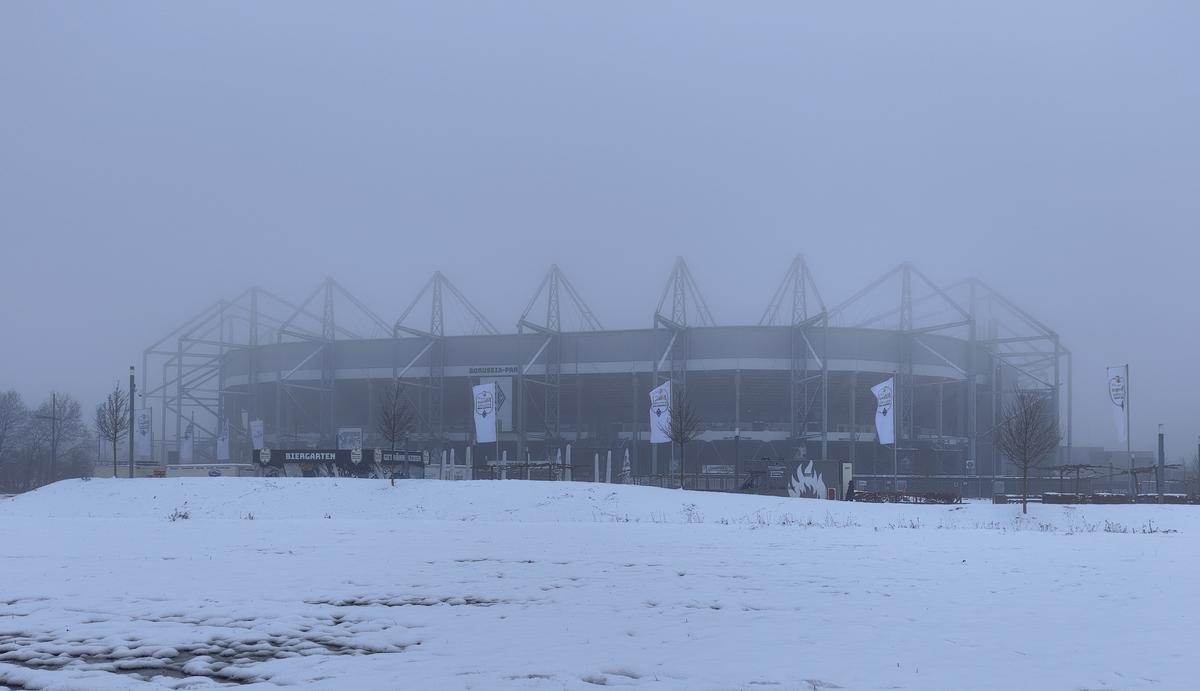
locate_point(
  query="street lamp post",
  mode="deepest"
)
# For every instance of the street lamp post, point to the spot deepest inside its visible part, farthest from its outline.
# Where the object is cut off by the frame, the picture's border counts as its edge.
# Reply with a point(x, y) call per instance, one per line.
point(53, 418)
point(132, 389)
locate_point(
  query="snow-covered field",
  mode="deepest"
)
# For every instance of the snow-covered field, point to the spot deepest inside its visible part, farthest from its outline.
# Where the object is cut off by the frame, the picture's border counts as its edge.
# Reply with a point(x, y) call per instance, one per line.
point(355, 584)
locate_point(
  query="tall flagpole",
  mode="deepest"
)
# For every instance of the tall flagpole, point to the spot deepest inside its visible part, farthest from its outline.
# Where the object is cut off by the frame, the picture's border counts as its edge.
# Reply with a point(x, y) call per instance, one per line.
point(895, 439)
point(1129, 435)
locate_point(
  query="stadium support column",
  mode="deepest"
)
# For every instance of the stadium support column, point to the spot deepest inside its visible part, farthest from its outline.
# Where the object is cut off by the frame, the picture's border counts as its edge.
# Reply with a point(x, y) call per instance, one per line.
point(178, 398)
point(904, 382)
point(737, 420)
point(825, 389)
point(1056, 397)
point(162, 419)
point(971, 393)
point(553, 392)
point(519, 411)
point(850, 446)
point(252, 359)
point(1160, 471)
point(325, 415)
point(278, 400)
point(578, 399)
point(1070, 400)
point(636, 425)
point(437, 394)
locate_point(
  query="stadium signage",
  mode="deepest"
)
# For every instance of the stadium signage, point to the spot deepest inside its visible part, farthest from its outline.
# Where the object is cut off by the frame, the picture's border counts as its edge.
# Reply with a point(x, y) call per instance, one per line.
point(389, 457)
point(267, 456)
point(493, 370)
point(342, 457)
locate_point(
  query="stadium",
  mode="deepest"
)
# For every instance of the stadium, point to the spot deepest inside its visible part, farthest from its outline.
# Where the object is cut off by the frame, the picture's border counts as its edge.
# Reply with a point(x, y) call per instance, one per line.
point(795, 383)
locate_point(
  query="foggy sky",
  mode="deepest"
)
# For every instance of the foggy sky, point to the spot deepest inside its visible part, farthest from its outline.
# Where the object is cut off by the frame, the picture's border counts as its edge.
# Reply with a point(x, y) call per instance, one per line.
point(155, 157)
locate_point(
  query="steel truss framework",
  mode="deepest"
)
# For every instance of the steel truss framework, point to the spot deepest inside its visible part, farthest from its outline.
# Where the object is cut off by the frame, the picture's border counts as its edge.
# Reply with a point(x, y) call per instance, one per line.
point(1004, 344)
point(550, 291)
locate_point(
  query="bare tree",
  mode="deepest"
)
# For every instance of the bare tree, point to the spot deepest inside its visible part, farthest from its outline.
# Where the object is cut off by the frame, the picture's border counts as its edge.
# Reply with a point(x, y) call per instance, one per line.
point(396, 419)
point(1028, 434)
point(53, 431)
point(13, 419)
point(682, 425)
point(112, 420)
point(12, 416)
point(1191, 474)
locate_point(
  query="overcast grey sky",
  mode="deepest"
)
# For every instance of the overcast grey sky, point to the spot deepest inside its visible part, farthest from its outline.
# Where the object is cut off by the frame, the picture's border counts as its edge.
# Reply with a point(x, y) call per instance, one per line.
point(157, 156)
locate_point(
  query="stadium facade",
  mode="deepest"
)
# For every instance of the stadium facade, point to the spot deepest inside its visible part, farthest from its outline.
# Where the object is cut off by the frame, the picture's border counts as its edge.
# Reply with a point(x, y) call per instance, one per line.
point(794, 385)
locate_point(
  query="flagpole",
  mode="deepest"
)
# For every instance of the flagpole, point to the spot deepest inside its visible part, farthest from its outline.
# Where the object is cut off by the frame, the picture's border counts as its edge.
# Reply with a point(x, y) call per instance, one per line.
point(1129, 434)
point(895, 440)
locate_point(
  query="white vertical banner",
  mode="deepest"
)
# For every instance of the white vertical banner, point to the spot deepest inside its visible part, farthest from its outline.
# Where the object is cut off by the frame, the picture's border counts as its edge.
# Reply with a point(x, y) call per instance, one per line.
point(885, 412)
point(660, 413)
point(503, 396)
point(350, 438)
point(484, 404)
point(186, 445)
point(626, 469)
point(1118, 393)
point(223, 441)
point(256, 434)
point(143, 434)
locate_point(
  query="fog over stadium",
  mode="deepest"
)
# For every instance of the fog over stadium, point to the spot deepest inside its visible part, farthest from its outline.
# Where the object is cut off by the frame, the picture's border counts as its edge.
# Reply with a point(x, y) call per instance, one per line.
point(158, 158)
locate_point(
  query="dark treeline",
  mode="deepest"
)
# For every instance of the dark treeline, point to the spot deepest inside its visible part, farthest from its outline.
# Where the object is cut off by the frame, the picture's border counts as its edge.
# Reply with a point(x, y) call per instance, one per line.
point(43, 444)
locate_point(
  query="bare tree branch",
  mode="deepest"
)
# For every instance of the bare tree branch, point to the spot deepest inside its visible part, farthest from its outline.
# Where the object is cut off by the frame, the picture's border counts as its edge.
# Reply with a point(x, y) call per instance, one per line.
point(1028, 435)
point(682, 425)
point(396, 417)
point(112, 420)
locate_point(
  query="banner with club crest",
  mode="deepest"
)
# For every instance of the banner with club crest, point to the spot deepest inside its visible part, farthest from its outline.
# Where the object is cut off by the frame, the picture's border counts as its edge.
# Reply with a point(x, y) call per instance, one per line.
point(484, 405)
point(660, 413)
point(1118, 393)
point(143, 434)
point(885, 412)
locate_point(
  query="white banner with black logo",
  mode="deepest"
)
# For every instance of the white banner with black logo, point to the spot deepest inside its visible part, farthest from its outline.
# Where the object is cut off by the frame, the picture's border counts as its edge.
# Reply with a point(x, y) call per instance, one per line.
point(503, 395)
point(885, 411)
point(143, 434)
point(187, 443)
point(484, 405)
point(223, 441)
point(256, 434)
point(660, 413)
point(1118, 393)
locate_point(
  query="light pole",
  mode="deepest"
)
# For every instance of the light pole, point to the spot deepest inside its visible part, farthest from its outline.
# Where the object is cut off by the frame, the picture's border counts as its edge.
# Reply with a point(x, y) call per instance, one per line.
point(132, 389)
point(1162, 461)
point(53, 418)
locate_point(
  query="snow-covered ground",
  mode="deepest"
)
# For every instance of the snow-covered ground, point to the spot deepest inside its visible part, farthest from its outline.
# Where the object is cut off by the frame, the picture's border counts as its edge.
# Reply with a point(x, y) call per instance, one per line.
point(355, 584)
